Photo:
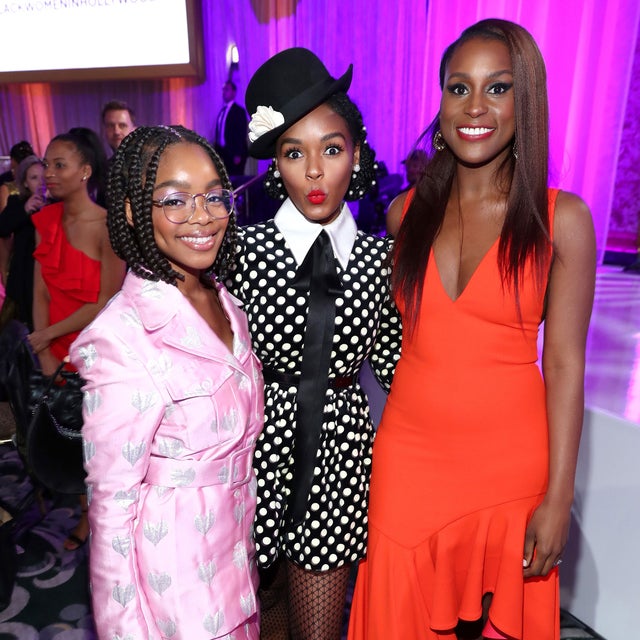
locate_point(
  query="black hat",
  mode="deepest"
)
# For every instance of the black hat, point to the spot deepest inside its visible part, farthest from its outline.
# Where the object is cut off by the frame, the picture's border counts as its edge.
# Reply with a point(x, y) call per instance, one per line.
point(283, 90)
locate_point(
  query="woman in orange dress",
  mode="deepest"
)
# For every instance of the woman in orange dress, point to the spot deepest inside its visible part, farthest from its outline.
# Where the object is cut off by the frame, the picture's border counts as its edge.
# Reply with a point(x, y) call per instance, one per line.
point(475, 457)
point(76, 270)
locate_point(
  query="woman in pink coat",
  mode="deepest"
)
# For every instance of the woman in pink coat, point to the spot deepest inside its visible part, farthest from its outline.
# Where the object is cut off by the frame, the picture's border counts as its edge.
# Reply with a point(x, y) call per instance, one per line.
point(173, 405)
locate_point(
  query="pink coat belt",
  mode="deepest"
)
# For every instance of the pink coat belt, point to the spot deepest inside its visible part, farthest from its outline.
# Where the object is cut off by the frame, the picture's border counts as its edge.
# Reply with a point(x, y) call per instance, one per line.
point(235, 470)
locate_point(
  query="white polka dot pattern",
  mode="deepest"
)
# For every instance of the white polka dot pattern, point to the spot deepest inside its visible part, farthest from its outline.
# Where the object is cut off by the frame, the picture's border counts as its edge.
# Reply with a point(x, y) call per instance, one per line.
point(367, 325)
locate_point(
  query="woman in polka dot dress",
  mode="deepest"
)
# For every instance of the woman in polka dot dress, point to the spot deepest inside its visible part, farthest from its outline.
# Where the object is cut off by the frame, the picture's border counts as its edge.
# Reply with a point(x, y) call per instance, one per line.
point(314, 455)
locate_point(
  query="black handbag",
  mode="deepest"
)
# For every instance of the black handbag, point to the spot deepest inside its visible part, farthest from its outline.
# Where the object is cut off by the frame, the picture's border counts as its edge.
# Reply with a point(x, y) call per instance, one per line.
point(54, 437)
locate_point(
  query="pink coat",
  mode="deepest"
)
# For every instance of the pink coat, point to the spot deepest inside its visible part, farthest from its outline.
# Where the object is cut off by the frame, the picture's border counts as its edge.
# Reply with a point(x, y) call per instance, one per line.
point(171, 418)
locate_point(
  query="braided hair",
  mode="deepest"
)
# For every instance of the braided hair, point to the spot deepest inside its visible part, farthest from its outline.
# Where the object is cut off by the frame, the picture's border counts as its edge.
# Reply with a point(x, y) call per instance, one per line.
point(132, 180)
point(361, 181)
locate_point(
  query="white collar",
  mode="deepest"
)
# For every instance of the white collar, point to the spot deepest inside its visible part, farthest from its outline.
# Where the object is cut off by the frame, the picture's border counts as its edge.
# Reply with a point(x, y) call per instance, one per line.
point(300, 234)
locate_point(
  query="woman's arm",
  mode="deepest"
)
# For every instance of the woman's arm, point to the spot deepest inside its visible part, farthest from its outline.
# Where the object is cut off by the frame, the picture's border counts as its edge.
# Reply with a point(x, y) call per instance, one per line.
point(122, 410)
point(48, 362)
point(386, 349)
point(570, 300)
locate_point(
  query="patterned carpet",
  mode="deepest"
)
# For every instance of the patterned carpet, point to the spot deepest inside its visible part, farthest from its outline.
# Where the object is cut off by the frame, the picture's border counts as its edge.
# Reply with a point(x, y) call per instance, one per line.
point(50, 600)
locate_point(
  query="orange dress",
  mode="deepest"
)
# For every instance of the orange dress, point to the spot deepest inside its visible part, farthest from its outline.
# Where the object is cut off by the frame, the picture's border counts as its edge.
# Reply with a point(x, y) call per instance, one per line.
point(460, 462)
point(72, 277)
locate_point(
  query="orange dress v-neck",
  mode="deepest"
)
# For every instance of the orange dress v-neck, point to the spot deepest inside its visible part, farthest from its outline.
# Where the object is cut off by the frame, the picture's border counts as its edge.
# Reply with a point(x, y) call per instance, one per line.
point(460, 462)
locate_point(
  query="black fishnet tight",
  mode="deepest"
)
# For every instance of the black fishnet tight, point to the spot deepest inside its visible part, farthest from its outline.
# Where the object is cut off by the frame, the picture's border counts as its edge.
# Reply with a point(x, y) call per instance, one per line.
point(310, 604)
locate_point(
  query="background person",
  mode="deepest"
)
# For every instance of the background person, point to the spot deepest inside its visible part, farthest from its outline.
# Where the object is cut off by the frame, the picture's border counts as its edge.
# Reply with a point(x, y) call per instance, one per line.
point(75, 271)
point(230, 139)
point(15, 221)
point(118, 120)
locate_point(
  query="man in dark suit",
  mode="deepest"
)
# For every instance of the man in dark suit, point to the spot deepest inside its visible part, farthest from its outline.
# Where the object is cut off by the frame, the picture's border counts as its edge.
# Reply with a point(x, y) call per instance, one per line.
point(231, 132)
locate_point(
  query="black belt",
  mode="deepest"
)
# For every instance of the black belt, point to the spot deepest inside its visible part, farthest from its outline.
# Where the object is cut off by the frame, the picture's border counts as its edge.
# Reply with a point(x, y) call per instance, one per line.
point(293, 379)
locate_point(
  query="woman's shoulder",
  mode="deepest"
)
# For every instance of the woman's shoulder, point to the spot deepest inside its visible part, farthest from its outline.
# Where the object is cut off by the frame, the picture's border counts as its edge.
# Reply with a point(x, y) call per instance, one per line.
point(572, 221)
point(570, 209)
point(396, 211)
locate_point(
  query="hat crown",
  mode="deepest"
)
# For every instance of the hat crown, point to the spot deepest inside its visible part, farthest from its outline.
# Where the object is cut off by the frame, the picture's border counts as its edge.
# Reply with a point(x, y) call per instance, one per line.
point(293, 83)
point(285, 76)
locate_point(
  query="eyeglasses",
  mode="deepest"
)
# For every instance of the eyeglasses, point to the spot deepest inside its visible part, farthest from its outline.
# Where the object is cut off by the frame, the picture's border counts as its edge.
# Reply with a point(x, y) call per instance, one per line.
point(180, 207)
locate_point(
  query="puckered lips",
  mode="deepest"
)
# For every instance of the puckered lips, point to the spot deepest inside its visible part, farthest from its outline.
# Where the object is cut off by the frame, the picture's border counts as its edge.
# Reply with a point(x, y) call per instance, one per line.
point(316, 196)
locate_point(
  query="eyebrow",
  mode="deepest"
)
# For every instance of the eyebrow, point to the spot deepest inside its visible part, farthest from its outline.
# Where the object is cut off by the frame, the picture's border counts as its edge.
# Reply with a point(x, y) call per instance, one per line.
point(184, 185)
point(328, 136)
point(494, 74)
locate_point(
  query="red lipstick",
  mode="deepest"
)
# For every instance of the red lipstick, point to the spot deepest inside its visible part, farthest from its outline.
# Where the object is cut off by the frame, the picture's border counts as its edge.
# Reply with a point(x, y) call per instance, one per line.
point(316, 197)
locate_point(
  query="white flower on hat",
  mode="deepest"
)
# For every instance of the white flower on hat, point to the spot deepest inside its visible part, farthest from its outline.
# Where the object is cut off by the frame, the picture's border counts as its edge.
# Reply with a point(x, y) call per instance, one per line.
point(265, 119)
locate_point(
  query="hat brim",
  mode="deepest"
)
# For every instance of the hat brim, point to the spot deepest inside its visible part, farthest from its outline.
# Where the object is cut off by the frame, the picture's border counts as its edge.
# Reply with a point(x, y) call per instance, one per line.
point(265, 146)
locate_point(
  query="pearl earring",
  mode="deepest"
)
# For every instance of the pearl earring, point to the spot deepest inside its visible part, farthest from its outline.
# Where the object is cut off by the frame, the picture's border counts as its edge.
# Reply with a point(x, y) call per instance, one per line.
point(276, 173)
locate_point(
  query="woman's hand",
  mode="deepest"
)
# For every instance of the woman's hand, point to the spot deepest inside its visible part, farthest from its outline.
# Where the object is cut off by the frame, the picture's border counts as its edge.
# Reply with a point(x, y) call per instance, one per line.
point(48, 363)
point(546, 537)
point(39, 340)
point(34, 203)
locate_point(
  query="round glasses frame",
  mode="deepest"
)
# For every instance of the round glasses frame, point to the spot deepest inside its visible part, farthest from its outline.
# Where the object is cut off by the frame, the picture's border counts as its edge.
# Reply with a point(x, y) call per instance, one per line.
point(179, 207)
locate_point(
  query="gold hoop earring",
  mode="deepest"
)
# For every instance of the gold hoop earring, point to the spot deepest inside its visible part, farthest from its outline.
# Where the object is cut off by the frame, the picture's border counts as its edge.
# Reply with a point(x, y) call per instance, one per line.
point(438, 141)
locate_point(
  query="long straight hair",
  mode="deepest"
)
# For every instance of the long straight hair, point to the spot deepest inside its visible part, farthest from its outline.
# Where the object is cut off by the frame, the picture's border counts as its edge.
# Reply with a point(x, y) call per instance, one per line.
point(525, 233)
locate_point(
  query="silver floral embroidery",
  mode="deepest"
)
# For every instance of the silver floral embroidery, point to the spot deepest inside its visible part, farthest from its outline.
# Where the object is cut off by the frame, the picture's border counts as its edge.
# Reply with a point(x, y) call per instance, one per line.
point(182, 477)
point(88, 450)
point(247, 604)
point(151, 290)
point(88, 355)
point(126, 498)
point(170, 447)
point(229, 421)
point(142, 401)
point(154, 532)
point(130, 318)
point(123, 595)
point(159, 582)
point(91, 401)
point(191, 338)
point(133, 452)
point(121, 545)
point(160, 366)
point(204, 522)
point(206, 571)
point(168, 627)
point(239, 512)
point(213, 622)
point(239, 555)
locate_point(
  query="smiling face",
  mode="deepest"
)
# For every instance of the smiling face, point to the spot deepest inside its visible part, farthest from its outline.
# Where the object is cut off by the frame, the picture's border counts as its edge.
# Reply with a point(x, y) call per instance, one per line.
point(477, 115)
point(65, 172)
point(191, 247)
point(315, 158)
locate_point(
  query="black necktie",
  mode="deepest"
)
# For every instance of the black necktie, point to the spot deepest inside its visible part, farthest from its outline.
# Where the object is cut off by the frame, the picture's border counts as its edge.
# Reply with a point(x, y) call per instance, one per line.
point(318, 275)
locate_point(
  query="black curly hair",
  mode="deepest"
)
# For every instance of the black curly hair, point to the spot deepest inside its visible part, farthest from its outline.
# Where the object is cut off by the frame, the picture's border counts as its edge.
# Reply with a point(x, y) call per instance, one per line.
point(362, 181)
point(131, 181)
